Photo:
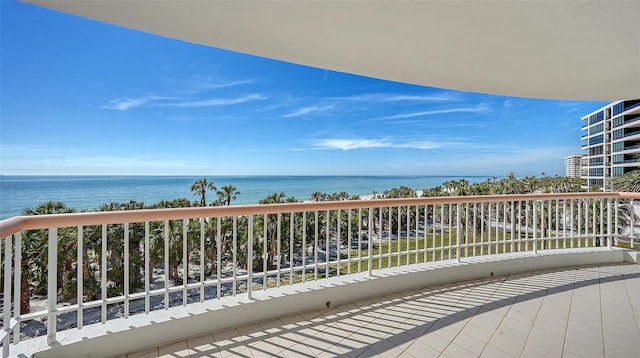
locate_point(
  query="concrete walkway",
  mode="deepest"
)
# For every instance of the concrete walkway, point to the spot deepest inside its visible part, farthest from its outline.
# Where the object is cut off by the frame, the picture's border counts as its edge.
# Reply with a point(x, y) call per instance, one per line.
point(586, 311)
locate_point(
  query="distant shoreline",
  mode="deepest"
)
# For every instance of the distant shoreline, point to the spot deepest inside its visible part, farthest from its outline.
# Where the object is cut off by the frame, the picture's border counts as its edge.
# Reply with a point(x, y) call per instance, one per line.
point(88, 192)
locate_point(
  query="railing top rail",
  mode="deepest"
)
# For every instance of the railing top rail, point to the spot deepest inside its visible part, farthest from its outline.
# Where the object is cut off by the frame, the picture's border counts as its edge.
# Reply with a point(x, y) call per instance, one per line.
point(18, 223)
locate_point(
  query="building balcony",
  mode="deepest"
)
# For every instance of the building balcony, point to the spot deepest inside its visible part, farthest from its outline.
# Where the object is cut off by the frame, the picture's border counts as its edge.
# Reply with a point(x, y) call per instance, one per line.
point(344, 278)
point(632, 109)
point(629, 122)
point(632, 135)
point(535, 313)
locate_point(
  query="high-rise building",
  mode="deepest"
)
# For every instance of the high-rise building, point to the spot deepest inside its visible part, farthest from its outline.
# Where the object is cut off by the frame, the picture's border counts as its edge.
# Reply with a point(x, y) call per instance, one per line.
point(573, 165)
point(611, 139)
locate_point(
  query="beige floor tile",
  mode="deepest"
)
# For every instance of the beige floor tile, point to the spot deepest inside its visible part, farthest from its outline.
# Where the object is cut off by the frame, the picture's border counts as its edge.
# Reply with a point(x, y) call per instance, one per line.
point(494, 352)
point(628, 349)
point(584, 347)
point(509, 341)
point(264, 349)
point(226, 336)
point(419, 349)
point(550, 344)
point(476, 318)
point(434, 341)
point(296, 353)
point(539, 352)
point(284, 340)
point(147, 353)
point(456, 350)
point(202, 346)
point(178, 349)
point(235, 352)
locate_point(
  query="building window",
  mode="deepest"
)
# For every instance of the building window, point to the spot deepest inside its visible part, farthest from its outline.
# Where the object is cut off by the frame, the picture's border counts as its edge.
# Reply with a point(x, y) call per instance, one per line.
point(618, 171)
point(596, 151)
point(596, 140)
point(618, 108)
point(596, 172)
point(596, 129)
point(618, 133)
point(595, 118)
point(618, 121)
point(618, 146)
point(595, 161)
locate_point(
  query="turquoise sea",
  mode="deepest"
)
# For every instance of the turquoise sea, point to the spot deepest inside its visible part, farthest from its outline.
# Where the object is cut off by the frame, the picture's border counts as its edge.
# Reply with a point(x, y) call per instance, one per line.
point(89, 192)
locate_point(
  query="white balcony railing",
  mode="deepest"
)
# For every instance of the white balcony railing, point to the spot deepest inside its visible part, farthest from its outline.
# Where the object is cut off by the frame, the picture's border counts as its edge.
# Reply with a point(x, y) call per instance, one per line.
point(84, 269)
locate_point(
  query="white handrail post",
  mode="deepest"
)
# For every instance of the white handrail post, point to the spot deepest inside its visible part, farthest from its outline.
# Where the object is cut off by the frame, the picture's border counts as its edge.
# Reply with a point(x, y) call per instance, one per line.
point(535, 227)
point(632, 235)
point(513, 226)
point(616, 232)
point(103, 274)
point(52, 285)
point(17, 285)
point(166, 264)
point(147, 275)
point(202, 260)
point(370, 241)
point(185, 260)
point(609, 221)
point(80, 278)
point(458, 232)
point(126, 270)
point(250, 258)
point(8, 252)
point(218, 242)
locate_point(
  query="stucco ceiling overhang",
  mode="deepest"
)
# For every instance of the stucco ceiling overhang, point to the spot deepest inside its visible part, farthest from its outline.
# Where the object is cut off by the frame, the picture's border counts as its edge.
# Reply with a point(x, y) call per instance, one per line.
point(583, 50)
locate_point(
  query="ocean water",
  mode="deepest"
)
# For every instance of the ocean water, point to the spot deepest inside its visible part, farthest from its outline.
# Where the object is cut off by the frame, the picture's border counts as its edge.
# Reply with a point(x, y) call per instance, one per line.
point(89, 192)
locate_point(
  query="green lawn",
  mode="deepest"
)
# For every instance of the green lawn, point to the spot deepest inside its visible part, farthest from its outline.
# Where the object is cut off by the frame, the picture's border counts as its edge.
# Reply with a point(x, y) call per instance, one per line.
point(406, 251)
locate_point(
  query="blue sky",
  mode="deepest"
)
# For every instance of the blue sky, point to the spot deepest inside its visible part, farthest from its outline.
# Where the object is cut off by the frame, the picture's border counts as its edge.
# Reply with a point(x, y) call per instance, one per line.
point(79, 97)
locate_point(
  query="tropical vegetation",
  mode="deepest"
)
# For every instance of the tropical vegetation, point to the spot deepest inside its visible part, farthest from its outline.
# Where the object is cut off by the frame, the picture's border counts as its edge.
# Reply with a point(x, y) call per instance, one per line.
point(629, 182)
point(215, 244)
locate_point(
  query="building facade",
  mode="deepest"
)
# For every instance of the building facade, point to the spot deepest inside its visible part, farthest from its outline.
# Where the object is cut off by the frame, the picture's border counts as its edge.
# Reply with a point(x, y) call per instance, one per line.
point(611, 139)
point(573, 166)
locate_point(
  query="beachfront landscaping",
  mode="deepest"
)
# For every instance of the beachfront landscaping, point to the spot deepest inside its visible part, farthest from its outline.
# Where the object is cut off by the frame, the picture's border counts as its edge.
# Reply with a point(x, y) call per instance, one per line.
point(331, 243)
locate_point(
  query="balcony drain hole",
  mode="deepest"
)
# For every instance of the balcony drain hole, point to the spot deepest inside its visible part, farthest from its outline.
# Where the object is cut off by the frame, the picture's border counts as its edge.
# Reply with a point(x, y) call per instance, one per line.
point(328, 304)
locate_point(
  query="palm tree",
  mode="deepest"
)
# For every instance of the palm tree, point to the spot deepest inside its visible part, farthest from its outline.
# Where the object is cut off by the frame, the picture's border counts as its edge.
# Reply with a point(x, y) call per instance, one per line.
point(116, 250)
point(200, 187)
point(269, 227)
point(511, 185)
point(227, 193)
point(34, 254)
point(629, 182)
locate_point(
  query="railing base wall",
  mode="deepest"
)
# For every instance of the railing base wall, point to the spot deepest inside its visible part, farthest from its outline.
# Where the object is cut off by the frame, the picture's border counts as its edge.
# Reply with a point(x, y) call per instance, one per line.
point(632, 256)
point(163, 327)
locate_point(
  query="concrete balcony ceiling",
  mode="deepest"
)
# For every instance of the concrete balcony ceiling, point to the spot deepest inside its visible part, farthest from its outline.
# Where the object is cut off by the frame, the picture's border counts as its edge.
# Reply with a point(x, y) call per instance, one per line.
point(582, 50)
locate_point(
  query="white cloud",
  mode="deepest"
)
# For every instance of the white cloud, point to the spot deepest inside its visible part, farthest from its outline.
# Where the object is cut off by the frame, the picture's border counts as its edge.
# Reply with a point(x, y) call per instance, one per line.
point(72, 163)
point(214, 101)
point(205, 84)
point(21, 149)
point(307, 110)
point(571, 107)
point(394, 97)
point(476, 109)
point(122, 104)
point(198, 84)
point(352, 144)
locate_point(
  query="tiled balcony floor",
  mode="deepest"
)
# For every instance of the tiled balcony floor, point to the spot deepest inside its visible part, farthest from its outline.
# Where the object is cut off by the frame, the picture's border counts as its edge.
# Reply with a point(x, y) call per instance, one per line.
point(586, 311)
